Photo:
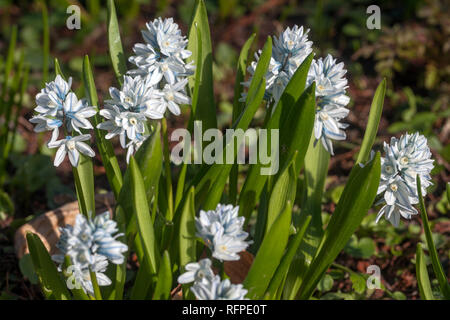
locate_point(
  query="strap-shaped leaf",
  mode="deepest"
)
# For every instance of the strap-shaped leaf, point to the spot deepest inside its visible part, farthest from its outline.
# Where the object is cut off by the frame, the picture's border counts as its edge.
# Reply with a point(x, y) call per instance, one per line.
point(423, 280)
point(46, 269)
point(356, 199)
point(84, 185)
point(269, 255)
point(284, 190)
point(118, 60)
point(239, 106)
point(316, 171)
point(144, 221)
point(186, 234)
point(437, 267)
point(149, 160)
point(104, 146)
point(164, 283)
point(205, 109)
point(276, 284)
point(372, 124)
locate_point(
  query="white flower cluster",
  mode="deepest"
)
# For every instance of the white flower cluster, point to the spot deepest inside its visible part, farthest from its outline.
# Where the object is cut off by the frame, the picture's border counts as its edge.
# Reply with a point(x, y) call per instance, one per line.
point(90, 244)
point(221, 230)
point(156, 85)
point(405, 158)
point(58, 107)
point(208, 286)
point(331, 100)
point(289, 50)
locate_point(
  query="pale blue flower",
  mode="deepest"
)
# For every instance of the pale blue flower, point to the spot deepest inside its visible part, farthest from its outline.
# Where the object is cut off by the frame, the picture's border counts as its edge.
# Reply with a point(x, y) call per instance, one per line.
point(76, 113)
point(225, 247)
point(80, 277)
point(51, 98)
point(292, 47)
point(218, 290)
point(225, 216)
point(392, 213)
point(71, 146)
point(135, 144)
point(45, 123)
point(289, 51)
point(331, 99)
point(122, 123)
point(405, 158)
point(412, 155)
point(197, 272)
point(221, 230)
point(91, 237)
point(134, 95)
point(170, 97)
point(162, 54)
point(57, 107)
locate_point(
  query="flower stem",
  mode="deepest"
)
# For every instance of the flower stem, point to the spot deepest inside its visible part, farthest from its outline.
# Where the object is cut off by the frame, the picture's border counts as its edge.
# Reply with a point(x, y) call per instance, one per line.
point(97, 293)
point(168, 175)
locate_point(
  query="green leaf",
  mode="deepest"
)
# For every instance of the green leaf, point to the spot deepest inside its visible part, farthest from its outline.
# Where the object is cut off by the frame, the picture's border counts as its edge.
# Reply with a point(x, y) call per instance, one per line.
point(6, 205)
point(58, 70)
point(205, 109)
point(357, 198)
point(280, 275)
point(239, 106)
point(372, 124)
point(423, 280)
point(358, 282)
point(196, 82)
point(284, 190)
point(363, 248)
point(115, 44)
point(104, 146)
point(240, 77)
point(269, 255)
point(187, 244)
point(437, 267)
point(149, 160)
point(27, 269)
point(326, 283)
point(144, 222)
point(316, 170)
point(45, 268)
point(84, 184)
point(164, 283)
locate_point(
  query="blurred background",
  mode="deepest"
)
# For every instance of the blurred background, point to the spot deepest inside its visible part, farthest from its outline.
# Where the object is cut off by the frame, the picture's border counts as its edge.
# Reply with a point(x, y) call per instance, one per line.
point(411, 50)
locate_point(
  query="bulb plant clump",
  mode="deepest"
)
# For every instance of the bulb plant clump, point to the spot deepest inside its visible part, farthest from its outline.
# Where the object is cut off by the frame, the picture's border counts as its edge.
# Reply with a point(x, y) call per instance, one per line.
point(185, 233)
